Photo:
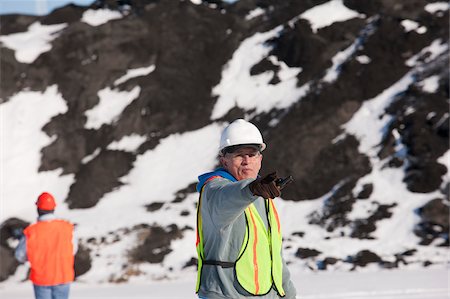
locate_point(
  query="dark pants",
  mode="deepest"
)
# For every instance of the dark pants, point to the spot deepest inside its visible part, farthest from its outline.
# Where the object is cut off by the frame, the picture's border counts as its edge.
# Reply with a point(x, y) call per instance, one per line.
point(60, 291)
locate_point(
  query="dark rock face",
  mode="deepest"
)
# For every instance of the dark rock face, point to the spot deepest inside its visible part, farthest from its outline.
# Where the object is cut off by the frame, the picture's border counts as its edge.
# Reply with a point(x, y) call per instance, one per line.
point(363, 227)
point(423, 130)
point(98, 174)
point(191, 263)
point(335, 208)
point(83, 261)
point(8, 264)
point(161, 25)
point(154, 206)
point(162, 33)
point(10, 229)
point(363, 258)
point(323, 264)
point(306, 252)
point(16, 23)
point(156, 244)
point(434, 223)
point(183, 193)
point(365, 192)
point(68, 14)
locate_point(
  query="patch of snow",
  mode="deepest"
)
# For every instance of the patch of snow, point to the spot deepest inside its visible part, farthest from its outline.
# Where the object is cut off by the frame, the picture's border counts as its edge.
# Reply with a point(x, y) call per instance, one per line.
point(410, 25)
point(325, 14)
point(363, 59)
point(90, 157)
point(128, 143)
point(443, 119)
point(436, 48)
point(368, 122)
point(254, 13)
point(172, 165)
point(430, 84)
point(333, 72)
point(437, 6)
point(421, 30)
point(400, 148)
point(133, 73)
point(409, 110)
point(99, 17)
point(111, 257)
point(445, 160)
point(32, 43)
point(430, 115)
point(285, 73)
point(112, 103)
point(396, 233)
point(389, 188)
point(239, 88)
point(22, 139)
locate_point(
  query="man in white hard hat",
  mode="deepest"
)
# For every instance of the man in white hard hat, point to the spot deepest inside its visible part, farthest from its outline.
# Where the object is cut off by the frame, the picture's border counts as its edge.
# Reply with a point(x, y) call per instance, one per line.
point(239, 241)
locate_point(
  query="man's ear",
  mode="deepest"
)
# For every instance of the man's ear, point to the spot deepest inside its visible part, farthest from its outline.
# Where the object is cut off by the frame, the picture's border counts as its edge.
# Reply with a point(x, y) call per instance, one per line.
point(222, 161)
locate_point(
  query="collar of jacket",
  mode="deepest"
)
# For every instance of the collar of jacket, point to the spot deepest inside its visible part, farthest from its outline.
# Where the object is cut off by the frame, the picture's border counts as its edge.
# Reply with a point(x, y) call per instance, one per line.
point(202, 179)
point(47, 217)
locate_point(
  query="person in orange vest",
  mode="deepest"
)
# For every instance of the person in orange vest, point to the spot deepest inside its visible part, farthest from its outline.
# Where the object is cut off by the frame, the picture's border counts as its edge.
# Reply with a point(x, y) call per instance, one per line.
point(49, 245)
point(239, 239)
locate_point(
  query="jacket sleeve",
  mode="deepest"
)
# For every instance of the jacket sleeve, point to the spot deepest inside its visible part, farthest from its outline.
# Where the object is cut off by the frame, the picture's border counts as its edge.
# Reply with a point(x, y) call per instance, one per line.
point(288, 286)
point(21, 250)
point(227, 200)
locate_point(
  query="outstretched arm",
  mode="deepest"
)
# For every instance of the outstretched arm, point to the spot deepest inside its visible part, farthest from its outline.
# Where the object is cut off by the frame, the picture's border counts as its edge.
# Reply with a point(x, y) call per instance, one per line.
point(227, 200)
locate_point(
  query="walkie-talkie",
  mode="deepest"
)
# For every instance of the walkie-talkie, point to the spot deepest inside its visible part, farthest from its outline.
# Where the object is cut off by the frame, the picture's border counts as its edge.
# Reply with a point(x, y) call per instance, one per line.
point(281, 183)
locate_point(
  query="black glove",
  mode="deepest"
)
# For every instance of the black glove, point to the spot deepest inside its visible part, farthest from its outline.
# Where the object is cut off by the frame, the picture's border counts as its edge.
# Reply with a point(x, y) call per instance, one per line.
point(266, 186)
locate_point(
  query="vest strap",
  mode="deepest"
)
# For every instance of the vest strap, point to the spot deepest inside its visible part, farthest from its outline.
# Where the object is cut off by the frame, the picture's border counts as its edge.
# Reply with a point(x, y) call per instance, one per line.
point(219, 263)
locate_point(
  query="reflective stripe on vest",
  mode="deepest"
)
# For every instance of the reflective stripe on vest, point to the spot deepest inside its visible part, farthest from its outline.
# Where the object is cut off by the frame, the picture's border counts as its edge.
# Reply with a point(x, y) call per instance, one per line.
point(50, 252)
point(259, 264)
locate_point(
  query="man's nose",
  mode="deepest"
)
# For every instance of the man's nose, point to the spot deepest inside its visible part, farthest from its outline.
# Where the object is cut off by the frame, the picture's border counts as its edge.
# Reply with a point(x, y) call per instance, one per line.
point(245, 159)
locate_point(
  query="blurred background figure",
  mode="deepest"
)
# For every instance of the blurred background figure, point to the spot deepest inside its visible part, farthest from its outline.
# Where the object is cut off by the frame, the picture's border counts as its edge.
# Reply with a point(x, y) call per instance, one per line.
point(49, 246)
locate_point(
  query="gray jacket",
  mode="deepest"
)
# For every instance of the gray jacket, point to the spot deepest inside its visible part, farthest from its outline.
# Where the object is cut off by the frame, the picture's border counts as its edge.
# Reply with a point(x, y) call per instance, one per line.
point(222, 212)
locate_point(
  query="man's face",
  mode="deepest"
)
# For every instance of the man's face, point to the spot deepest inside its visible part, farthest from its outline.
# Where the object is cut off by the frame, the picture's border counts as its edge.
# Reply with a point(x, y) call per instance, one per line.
point(244, 163)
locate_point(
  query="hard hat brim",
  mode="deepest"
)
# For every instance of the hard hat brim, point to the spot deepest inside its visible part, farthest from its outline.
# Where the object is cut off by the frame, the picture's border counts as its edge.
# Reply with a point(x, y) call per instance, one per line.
point(233, 148)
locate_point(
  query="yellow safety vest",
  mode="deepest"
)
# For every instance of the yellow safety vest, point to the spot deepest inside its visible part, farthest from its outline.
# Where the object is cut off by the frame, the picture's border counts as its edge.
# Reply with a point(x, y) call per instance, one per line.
point(259, 264)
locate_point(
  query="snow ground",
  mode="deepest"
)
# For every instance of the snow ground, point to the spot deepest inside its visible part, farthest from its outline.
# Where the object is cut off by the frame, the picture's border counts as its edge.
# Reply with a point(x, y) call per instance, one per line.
point(432, 283)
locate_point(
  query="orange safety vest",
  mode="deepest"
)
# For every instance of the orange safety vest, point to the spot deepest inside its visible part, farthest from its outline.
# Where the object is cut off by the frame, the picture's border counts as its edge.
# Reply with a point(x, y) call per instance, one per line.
point(50, 252)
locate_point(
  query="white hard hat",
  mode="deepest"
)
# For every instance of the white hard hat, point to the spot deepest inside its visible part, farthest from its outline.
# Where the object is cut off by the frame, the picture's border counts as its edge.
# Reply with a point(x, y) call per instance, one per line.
point(241, 132)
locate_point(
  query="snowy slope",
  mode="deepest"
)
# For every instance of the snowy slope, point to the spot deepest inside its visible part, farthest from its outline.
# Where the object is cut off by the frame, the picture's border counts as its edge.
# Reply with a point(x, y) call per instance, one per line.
point(156, 191)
